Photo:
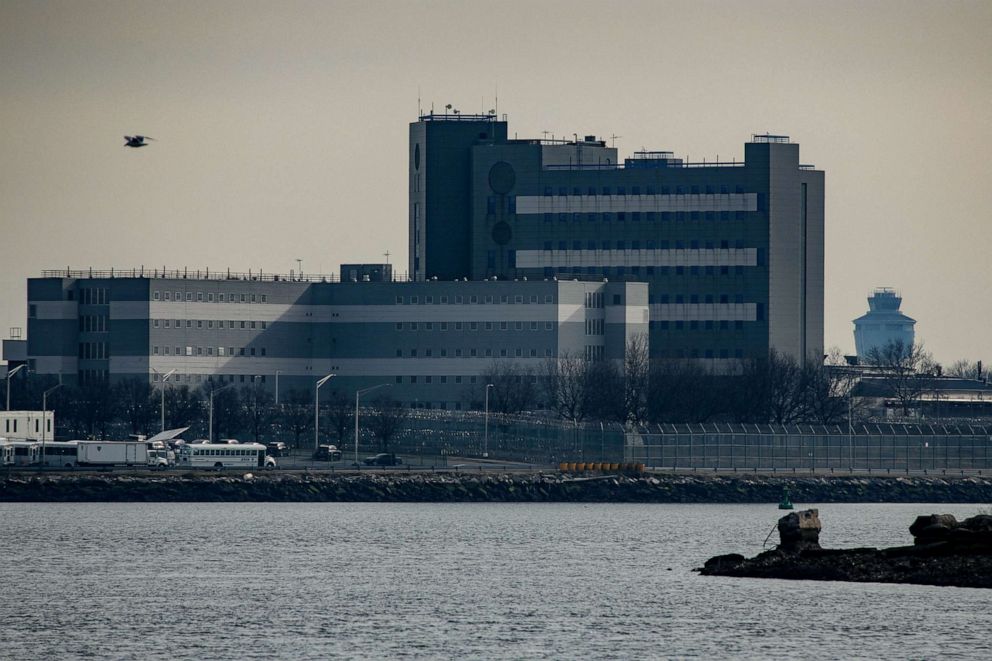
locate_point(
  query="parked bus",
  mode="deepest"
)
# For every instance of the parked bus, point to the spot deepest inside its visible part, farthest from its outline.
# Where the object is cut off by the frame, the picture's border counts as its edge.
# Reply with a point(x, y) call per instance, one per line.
point(61, 455)
point(26, 453)
point(6, 453)
point(225, 455)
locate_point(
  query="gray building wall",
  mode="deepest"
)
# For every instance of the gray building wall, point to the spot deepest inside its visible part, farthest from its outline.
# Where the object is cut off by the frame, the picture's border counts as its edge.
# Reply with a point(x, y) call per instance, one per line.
point(431, 341)
point(733, 253)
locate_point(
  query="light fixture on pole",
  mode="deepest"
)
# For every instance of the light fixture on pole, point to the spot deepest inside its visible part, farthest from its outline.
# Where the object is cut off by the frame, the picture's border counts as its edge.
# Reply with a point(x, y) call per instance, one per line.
point(278, 372)
point(359, 393)
point(10, 374)
point(44, 420)
point(165, 378)
point(210, 424)
point(485, 445)
point(316, 410)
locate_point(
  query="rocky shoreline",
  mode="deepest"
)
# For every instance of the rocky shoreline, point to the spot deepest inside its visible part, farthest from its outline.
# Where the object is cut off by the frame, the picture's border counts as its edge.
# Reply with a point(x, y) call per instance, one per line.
point(945, 552)
point(486, 487)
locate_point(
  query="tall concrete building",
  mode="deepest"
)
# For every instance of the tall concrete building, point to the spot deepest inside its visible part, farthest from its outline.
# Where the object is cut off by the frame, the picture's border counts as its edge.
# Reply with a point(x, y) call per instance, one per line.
point(431, 341)
point(732, 251)
point(883, 323)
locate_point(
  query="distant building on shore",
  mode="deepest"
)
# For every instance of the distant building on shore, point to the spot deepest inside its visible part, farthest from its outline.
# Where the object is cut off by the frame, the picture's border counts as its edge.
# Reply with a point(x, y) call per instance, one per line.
point(432, 341)
point(884, 323)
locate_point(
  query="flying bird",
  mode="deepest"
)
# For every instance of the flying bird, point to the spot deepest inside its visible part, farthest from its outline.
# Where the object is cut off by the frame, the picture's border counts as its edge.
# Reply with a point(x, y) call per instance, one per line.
point(136, 140)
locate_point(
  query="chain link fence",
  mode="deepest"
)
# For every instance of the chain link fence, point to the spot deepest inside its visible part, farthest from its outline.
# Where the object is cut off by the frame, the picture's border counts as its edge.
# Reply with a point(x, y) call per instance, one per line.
point(900, 448)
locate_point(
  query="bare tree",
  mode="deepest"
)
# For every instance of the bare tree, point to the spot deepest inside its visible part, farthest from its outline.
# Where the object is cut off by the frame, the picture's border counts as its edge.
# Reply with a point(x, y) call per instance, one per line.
point(907, 369)
point(296, 413)
point(385, 420)
point(514, 387)
point(568, 383)
point(135, 405)
point(683, 391)
point(827, 392)
point(341, 414)
point(256, 410)
point(636, 375)
point(183, 407)
point(967, 369)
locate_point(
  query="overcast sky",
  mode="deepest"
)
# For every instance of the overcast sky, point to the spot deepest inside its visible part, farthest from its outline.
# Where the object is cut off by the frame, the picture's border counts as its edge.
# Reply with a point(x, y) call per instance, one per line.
point(282, 127)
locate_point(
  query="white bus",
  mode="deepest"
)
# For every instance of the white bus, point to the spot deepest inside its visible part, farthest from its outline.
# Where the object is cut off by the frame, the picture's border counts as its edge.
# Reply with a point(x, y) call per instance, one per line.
point(6, 453)
point(26, 453)
point(61, 455)
point(225, 455)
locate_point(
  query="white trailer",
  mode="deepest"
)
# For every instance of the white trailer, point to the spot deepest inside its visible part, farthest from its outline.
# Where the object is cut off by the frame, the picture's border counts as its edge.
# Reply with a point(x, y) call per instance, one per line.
point(112, 453)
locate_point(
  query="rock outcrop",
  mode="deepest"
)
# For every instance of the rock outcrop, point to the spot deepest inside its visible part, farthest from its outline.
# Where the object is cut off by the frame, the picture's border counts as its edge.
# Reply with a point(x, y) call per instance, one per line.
point(426, 486)
point(944, 552)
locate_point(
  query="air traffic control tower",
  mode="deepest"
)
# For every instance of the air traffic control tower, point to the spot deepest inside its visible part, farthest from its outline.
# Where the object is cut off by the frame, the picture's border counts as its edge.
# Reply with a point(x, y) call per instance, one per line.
point(884, 323)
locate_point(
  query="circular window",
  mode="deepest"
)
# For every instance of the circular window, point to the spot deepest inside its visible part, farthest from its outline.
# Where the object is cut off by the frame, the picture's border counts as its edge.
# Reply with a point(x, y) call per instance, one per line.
point(502, 177)
point(502, 233)
point(416, 157)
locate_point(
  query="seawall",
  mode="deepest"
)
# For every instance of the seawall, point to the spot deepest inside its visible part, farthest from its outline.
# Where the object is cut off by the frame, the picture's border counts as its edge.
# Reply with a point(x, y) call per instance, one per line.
point(501, 487)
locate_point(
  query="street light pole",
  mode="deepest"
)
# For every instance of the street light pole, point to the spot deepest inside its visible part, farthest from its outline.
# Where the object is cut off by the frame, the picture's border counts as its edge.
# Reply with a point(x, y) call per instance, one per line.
point(210, 424)
point(358, 394)
point(485, 445)
point(277, 386)
point(10, 374)
point(44, 420)
point(162, 391)
point(316, 410)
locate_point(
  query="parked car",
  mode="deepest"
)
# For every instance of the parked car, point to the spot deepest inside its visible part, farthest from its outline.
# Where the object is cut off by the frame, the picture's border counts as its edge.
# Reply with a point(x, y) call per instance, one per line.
point(277, 449)
point(383, 459)
point(327, 453)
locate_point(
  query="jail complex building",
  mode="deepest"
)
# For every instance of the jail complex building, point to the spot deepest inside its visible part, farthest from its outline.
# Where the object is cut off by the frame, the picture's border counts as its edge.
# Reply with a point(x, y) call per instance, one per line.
point(520, 250)
point(732, 252)
point(431, 340)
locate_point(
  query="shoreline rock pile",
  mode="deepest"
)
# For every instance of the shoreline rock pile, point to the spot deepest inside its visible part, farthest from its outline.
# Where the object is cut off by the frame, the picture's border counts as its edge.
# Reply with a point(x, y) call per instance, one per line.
point(551, 486)
point(944, 552)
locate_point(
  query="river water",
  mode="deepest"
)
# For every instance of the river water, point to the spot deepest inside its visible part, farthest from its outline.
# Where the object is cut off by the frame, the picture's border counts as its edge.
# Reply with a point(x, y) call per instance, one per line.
point(521, 581)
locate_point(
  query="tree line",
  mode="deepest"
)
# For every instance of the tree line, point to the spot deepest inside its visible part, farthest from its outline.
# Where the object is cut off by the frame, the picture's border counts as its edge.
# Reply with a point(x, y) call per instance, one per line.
point(100, 410)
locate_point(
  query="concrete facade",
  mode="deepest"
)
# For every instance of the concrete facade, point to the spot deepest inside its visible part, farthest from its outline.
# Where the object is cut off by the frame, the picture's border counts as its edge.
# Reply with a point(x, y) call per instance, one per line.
point(732, 252)
point(431, 341)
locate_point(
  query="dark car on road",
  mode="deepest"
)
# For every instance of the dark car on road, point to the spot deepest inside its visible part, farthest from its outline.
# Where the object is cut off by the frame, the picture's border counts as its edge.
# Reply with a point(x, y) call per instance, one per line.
point(277, 449)
point(327, 453)
point(383, 459)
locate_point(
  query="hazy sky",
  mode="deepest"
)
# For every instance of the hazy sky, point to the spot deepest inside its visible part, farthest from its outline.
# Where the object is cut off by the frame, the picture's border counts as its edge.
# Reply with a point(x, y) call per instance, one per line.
point(282, 127)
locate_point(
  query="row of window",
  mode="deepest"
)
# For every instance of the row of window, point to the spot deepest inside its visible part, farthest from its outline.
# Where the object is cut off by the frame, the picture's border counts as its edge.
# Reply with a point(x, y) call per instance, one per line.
point(441, 379)
point(209, 297)
point(94, 350)
point(621, 191)
point(209, 323)
point(648, 216)
point(92, 295)
point(490, 299)
point(93, 323)
point(700, 353)
point(473, 325)
point(199, 378)
point(471, 353)
point(594, 299)
point(208, 351)
point(594, 352)
point(723, 244)
point(623, 271)
point(694, 298)
point(695, 324)
point(595, 326)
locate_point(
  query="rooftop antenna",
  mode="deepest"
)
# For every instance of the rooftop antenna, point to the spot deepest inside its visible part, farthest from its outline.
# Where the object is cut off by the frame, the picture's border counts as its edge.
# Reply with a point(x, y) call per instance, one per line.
point(496, 110)
point(545, 134)
point(420, 109)
point(386, 255)
point(614, 139)
point(299, 266)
